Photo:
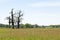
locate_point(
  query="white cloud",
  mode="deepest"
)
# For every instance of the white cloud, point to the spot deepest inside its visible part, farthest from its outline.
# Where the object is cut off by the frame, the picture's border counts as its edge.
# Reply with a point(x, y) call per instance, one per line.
point(45, 4)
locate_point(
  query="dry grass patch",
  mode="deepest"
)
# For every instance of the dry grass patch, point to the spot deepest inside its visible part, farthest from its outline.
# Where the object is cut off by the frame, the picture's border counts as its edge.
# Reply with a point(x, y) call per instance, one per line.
point(30, 34)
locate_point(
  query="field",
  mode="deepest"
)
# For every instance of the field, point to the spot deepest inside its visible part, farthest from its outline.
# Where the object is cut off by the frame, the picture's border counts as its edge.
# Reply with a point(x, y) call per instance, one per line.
point(30, 34)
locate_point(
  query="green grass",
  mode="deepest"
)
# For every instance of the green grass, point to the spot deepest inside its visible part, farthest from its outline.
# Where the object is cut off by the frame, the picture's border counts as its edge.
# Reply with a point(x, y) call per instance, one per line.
point(30, 34)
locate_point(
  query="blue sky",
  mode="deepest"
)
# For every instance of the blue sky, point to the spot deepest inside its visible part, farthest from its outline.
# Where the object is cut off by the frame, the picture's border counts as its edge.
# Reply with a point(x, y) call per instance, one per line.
point(41, 12)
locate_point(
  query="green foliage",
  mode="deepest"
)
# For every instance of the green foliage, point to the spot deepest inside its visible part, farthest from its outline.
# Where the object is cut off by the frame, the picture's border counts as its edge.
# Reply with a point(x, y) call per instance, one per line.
point(22, 26)
point(27, 25)
point(55, 26)
point(36, 26)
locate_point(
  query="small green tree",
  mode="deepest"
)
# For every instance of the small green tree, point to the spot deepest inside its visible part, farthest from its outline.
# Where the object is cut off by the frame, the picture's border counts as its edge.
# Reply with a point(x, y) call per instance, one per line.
point(28, 25)
point(36, 26)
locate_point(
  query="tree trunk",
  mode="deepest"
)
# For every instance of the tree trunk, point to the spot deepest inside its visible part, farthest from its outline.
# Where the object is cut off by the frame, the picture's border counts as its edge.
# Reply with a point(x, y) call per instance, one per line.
point(9, 22)
point(12, 19)
point(18, 23)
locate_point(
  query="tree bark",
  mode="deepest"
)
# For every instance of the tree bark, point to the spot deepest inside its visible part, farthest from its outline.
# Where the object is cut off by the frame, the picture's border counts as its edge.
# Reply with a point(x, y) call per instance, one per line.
point(12, 19)
point(9, 22)
point(18, 23)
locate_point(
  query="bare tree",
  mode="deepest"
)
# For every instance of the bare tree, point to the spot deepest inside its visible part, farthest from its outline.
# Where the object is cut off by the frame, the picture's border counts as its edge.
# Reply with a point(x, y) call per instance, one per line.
point(15, 18)
point(12, 18)
point(9, 21)
point(19, 18)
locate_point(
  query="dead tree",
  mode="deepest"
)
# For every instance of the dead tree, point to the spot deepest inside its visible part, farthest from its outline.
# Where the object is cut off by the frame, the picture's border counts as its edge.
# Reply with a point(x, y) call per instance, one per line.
point(19, 19)
point(9, 22)
point(15, 18)
point(12, 18)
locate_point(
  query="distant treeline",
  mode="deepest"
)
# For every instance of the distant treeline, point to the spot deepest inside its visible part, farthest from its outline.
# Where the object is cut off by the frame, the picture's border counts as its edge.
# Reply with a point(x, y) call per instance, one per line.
point(27, 25)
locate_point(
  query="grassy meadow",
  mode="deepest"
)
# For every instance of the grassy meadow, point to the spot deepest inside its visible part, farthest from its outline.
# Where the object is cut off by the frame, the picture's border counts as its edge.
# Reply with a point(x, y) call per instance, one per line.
point(30, 34)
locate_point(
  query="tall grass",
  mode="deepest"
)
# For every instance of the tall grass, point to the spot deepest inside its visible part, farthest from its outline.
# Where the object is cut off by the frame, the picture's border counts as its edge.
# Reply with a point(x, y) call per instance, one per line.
point(30, 34)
